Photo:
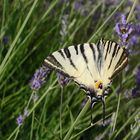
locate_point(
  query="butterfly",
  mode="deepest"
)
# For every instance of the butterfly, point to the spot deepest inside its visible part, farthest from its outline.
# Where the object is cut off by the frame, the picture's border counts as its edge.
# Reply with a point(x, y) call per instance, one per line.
point(91, 66)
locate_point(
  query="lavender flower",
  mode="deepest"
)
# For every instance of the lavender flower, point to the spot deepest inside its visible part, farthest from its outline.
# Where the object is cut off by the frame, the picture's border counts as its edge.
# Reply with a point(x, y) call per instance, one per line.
point(64, 27)
point(134, 40)
point(111, 2)
point(138, 77)
point(78, 5)
point(136, 90)
point(39, 78)
point(137, 29)
point(62, 80)
point(82, 7)
point(19, 120)
point(124, 30)
point(137, 11)
point(5, 40)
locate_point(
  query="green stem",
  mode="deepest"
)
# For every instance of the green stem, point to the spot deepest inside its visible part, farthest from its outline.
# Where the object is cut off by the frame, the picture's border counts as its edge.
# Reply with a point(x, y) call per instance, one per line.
point(74, 137)
point(61, 100)
point(83, 111)
point(3, 14)
point(132, 10)
point(33, 117)
point(16, 134)
point(29, 101)
point(85, 20)
point(32, 125)
point(35, 105)
point(17, 37)
point(105, 22)
point(13, 133)
point(127, 122)
point(114, 125)
point(42, 97)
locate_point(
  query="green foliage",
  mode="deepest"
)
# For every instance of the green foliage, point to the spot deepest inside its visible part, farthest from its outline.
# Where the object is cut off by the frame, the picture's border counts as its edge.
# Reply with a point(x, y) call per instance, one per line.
point(30, 30)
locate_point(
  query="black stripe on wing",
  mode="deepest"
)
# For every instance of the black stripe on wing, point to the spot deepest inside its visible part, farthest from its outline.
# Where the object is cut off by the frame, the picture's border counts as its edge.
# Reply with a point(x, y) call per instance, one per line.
point(99, 60)
point(122, 62)
point(76, 49)
point(83, 52)
point(68, 54)
point(107, 50)
point(110, 46)
point(51, 58)
point(113, 54)
point(82, 49)
point(93, 50)
point(61, 53)
point(117, 51)
point(99, 46)
point(120, 67)
point(71, 62)
point(122, 57)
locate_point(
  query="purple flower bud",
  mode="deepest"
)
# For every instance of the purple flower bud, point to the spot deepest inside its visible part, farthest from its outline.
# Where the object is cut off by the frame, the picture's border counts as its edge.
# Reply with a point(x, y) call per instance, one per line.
point(110, 3)
point(63, 80)
point(136, 29)
point(138, 77)
point(134, 40)
point(117, 28)
point(124, 30)
point(124, 37)
point(39, 78)
point(36, 84)
point(5, 40)
point(137, 11)
point(77, 5)
point(123, 19)
point(136, 92)
point(19, 120)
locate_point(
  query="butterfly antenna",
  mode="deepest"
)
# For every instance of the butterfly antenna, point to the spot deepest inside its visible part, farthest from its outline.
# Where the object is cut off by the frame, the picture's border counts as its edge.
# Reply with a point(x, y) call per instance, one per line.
point(103, 104)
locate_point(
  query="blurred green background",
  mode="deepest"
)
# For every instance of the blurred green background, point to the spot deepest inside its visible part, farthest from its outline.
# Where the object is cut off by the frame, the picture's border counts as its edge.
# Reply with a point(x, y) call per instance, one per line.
point(29, 31)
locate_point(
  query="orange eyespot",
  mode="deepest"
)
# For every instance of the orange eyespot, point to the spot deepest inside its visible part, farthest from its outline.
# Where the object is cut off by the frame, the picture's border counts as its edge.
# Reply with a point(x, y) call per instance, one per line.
point(99, 84)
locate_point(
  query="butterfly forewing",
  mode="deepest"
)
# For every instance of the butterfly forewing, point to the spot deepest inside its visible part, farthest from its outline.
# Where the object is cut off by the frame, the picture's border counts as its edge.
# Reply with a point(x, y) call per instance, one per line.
point(87, 63)
point(78, 62)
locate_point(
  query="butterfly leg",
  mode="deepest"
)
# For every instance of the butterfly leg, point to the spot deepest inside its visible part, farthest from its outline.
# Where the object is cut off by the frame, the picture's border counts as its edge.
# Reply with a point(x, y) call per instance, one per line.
point(93, 101)
point(92, 105)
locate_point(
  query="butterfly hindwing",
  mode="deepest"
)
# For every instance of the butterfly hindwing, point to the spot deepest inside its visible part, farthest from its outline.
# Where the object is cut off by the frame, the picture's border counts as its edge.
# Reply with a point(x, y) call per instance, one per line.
point(114, 59)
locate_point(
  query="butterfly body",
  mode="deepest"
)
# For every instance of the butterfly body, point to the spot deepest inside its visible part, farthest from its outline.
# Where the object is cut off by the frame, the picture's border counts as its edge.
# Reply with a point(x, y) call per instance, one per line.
point(91, 66)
